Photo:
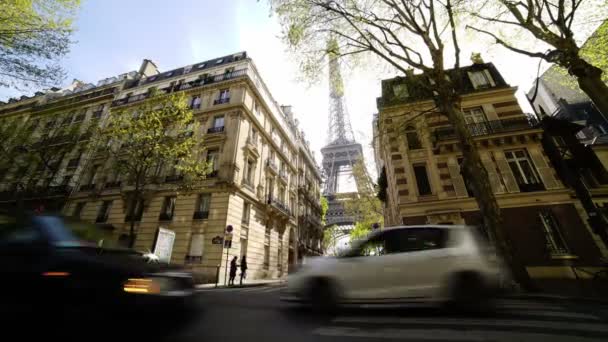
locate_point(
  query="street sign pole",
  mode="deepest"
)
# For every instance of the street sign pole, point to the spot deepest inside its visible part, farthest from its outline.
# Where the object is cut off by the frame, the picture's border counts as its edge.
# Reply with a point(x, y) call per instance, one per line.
point(227, 245)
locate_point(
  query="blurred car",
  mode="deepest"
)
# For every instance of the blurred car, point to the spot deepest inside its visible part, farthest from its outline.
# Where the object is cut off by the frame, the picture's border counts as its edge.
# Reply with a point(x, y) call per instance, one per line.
point(440, 263)
point(46, 266)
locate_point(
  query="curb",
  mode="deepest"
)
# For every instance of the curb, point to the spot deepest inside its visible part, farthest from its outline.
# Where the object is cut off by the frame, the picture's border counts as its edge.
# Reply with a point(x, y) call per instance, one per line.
point(552, 298)
point(220, 287)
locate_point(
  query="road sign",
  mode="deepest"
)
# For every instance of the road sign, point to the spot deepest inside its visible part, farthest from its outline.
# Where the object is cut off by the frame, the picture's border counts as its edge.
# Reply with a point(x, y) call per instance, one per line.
point(228, 243)
point(218, 240)
point(229, 229)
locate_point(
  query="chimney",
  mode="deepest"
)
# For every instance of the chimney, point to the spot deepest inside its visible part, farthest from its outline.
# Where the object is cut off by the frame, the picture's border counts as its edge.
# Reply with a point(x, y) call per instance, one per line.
point(148, 68)
point(476, 58)
point(287, 111)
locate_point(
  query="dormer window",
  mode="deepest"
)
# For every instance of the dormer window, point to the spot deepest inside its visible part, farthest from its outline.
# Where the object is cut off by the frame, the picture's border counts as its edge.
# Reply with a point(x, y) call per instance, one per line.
point(151, 78)
point(481, 79)
point(400, 91)
point(169, 73)
point(219, 61)
point(200, 66)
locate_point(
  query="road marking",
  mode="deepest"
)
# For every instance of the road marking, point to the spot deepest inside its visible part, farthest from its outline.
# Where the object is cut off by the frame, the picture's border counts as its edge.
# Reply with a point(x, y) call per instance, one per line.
point(449, 335)
point(490, 322)
point(271, 289)
point(552, 314)
point(529, 306)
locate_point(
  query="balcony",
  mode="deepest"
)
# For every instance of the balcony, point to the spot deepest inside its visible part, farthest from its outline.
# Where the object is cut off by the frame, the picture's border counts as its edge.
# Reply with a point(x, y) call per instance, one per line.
point(73, 163)
point(284, 176)
point(489, 127)
point(221, 101)
point(271, 166)
point(101, 219)
point(87, 187)
point(200, 215)
point(134, 218)
point(112, 185)
point(212, 130)
point(174, 178)
point(282, 207)
point(165, 217)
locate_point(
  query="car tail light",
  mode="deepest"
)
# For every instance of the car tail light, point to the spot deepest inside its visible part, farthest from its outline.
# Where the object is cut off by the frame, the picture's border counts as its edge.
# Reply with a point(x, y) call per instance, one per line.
point(141, 286)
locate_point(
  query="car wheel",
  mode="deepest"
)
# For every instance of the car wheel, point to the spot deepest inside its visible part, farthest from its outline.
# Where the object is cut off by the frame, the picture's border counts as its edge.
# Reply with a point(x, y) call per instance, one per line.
point(322, 296)
point(467, 292)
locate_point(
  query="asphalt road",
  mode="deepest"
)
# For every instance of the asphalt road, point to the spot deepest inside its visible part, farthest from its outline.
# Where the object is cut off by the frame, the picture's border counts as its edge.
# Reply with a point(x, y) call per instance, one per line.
point(256, 314)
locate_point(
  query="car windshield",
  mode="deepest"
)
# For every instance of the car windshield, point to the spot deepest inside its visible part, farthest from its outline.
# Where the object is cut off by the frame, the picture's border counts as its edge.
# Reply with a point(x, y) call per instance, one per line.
point(65, 232)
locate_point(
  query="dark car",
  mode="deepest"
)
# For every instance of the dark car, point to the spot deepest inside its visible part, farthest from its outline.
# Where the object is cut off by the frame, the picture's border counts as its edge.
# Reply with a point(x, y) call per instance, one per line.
point(47, 268)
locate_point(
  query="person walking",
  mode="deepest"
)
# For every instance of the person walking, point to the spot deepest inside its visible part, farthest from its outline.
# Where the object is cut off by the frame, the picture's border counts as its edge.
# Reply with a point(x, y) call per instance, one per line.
point(233, 267)
point(243, 268)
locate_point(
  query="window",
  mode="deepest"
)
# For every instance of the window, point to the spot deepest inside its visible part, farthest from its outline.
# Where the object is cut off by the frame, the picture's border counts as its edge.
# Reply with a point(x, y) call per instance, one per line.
point(476, 121)
point(246, 213)
point(411, 135)
point(415, 239)
point(218, 121)
point(422, 180)
point(202, 206)
point(400, 91)
point(554, 239)
point(212, 158)
point(66, 180)
point(474, 115)
point(256, 107)
point(195, 102)
point(135, 212)
point(250, 172)
point(267, 247)
point(78, 209)
point(200, 66)
point(480, 79)
point(219, 61)
point(523, 170)
point(225, 94)
point(195, 252)
point(166, 213)
point(104, 211)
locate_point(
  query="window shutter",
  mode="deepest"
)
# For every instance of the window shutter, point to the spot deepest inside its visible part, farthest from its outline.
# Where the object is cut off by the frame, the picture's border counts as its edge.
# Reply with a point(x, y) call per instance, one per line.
point(457, 180)
point(196, 245)
point(544, 170)
point(489, 76)
point(472, 78)
point(497, 186)
point(506, 173)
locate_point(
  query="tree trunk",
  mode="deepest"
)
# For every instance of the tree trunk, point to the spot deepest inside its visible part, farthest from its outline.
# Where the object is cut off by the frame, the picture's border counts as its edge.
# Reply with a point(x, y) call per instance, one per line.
point(484, 195)
point(590, 81)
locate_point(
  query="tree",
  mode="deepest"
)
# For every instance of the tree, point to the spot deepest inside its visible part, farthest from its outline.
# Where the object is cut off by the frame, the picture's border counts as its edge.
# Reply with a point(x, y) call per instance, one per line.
point(34, 35)
point(324, 207)
point(405, 34)
point(552, 23)
point(330, 238)
point(28, 157)
point(145, 141)
point(365, 207)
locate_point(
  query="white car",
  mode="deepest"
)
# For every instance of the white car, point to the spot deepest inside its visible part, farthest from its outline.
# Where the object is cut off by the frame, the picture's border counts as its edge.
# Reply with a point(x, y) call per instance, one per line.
point(443, 263)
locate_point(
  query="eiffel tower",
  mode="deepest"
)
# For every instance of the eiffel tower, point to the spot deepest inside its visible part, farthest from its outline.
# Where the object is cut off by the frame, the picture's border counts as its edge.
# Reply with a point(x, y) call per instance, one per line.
point(341, 152)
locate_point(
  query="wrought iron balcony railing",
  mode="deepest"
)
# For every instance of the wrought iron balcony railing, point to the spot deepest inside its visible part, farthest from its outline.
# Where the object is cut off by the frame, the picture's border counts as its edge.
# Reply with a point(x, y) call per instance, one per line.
point(219, 129)
point(489, 127)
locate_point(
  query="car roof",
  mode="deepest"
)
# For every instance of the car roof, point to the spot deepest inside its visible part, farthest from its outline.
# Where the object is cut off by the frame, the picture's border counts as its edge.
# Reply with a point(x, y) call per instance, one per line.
point(444, 226)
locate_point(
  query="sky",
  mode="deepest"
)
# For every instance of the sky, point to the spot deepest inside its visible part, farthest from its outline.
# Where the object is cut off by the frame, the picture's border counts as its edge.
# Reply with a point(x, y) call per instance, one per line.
point(114, 36)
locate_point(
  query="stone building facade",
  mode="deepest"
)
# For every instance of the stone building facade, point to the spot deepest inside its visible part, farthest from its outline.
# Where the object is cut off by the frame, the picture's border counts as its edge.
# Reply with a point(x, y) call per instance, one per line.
point(257, 152)
point(421, 158)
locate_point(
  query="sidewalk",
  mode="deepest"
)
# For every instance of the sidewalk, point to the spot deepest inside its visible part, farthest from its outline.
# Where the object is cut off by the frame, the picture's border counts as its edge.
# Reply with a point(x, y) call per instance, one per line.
point(248, 283)
point(555, 297)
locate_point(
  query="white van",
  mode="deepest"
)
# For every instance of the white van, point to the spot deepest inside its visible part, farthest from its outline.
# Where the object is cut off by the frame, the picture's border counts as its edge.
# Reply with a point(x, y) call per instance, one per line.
point(442, 263)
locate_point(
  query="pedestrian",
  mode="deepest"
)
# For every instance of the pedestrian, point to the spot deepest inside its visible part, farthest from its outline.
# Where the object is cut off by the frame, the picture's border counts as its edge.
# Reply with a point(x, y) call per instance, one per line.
point(243, 268)
point(233, 267)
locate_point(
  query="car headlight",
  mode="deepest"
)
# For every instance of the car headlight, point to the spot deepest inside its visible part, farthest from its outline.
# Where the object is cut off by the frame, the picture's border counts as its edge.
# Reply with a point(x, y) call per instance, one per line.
point(153, 285)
